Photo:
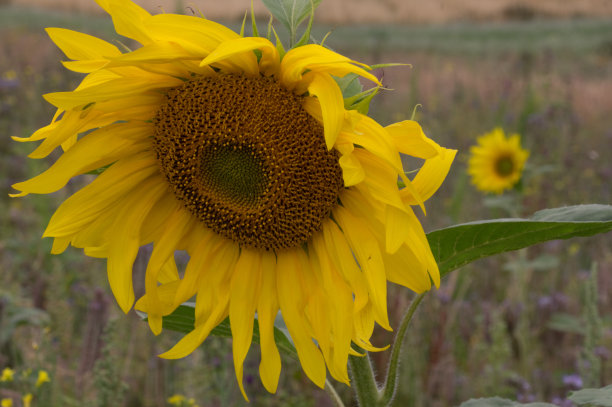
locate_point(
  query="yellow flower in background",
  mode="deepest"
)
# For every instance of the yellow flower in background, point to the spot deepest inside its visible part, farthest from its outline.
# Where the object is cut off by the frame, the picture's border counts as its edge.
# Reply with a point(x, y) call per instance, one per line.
point(6, 402)
point(497, 162)
point(176, 400)
point(27, 400)
point(7, 375)
point(43, 377)
point(247, 159)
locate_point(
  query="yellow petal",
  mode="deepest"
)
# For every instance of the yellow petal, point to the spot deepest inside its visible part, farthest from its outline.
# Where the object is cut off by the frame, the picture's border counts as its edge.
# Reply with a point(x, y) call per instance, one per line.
point(85, 66)
point(155, 53)
point(352, 171)
point(79, 46)
point(365, 247)
point(244, 294)
point(380, 179)
point(95, 150)
point(205, 245)
point(169, 272)
point(430, 177)
point(123, 248)
point(241, 50)
point(325, 88)
point(340, 303)
point(405, 268)
point(176, 227)
point(341, 255)
point(60, 244)
point(113, 89)
point(193, 339)
point(85, 205)
point(409, 139)
point(128, 19)
point(374, 138)
point(291, 300)
point(267, 309)
point(197, 35)
point(313, 57)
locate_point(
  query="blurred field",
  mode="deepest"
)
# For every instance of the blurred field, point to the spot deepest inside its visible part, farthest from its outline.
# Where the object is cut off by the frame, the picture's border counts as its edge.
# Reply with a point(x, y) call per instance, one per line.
point(369, 11)
point(513, 325)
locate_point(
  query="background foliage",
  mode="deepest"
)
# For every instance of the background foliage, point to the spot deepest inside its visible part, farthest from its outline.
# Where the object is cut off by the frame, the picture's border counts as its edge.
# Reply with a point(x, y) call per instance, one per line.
point(528, 325)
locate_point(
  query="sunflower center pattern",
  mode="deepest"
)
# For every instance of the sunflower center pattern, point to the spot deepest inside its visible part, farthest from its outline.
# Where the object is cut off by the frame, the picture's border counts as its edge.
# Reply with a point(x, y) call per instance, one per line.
point(247, 160)
point(504, 166)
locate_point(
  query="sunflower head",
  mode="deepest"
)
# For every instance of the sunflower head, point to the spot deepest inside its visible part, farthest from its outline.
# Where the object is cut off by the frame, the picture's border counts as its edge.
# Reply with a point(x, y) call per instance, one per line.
point(248, 159)
point(496, 162)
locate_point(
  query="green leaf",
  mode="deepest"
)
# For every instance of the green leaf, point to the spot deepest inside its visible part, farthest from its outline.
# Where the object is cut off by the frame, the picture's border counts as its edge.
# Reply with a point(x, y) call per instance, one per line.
point(459, 245)
point(291, 13)
point(183, 320)
point(500, 402)
point(596, 397)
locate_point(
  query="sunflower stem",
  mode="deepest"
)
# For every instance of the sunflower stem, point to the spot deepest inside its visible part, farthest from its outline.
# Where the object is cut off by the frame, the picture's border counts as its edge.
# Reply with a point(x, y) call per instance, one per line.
point(333, 394)
point(388, 391)
point(363, 380)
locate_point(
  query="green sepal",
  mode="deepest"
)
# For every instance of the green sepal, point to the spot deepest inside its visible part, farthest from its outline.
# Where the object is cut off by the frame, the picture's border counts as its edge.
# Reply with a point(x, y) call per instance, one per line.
point(361, 101)
point(243, 24)
point(279, 43)
point(98, 171)
point(253, 22)
point(306, 36)
point(387, 65)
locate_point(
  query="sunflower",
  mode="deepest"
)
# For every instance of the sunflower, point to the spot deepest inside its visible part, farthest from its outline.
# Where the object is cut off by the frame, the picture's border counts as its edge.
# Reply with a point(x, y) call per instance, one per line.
point(245, 157)
point(497, 162)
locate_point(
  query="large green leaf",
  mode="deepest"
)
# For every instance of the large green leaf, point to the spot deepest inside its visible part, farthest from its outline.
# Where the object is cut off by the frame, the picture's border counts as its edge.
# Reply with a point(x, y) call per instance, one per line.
point(595, 397)
point(459, 245)
point(183, 319)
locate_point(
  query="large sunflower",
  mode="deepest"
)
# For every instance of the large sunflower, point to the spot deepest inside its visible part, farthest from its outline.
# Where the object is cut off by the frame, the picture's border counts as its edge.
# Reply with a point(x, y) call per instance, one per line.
point(497, 162)
point(247, 159)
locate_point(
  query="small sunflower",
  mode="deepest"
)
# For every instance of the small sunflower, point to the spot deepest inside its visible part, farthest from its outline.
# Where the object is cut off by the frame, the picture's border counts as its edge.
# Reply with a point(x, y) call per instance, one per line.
point(246, 158)
point(497, 162)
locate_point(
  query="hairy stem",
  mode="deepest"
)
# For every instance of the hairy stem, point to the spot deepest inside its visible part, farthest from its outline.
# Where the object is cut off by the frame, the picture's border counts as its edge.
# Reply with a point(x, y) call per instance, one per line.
point(363, 381)
point(390, 387)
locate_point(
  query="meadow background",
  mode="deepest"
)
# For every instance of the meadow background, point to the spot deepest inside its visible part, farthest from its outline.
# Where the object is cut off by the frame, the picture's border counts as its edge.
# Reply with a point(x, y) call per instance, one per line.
point(528, 325)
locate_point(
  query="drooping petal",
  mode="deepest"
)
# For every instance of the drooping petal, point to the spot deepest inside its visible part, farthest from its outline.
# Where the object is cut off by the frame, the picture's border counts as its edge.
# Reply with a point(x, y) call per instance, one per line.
point(325, 88)
point(176, 227)
point(123, 248)
point(244, 295)
point(430, 177)
point(267, 309)
point(368, 254)
point(292, 302)
point(409, 139)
